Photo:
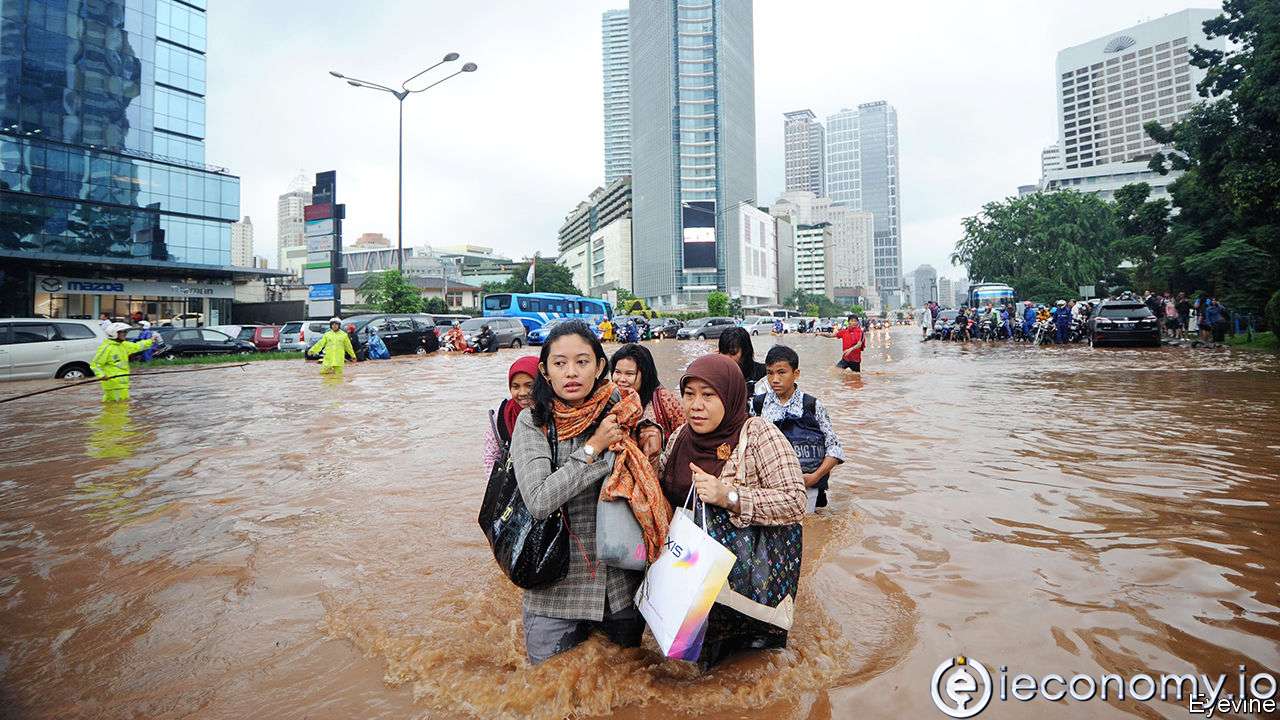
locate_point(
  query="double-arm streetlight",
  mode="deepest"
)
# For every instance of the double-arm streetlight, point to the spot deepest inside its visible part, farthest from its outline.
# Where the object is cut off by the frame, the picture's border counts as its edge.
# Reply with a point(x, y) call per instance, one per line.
point(400, 95)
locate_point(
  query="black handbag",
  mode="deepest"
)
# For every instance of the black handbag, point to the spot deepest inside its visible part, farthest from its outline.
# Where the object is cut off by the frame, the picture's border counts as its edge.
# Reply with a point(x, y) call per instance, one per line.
point(532, 553)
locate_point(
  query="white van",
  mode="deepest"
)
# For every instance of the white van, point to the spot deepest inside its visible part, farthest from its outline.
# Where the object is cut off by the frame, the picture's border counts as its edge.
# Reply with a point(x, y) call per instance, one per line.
point(299, 335)
point(33, 348)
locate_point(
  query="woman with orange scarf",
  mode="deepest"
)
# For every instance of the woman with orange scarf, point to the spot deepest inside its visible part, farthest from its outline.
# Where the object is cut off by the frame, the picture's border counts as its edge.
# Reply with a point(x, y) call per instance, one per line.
point(593, 457)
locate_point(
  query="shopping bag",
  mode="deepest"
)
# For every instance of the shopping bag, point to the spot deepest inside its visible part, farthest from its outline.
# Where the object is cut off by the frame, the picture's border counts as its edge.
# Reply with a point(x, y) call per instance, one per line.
point(680, 587)
point(756, 607)
point(619, 540)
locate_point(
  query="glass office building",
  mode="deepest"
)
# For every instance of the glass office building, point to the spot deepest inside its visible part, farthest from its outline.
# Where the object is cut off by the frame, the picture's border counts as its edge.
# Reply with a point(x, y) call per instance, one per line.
point(106, 201)
point(693, 146)
point(617, 95)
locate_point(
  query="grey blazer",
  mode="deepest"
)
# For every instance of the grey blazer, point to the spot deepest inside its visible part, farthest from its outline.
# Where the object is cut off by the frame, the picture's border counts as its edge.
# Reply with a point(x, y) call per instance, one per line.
point(575, 485)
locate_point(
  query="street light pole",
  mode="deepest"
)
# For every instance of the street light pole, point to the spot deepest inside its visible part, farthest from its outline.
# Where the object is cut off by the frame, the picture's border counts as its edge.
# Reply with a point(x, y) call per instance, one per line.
point(400, 96)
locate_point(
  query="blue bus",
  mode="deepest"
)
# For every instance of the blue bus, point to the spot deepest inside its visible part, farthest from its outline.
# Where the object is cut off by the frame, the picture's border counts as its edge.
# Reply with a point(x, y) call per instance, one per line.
point(534, 309)
point(995, 293)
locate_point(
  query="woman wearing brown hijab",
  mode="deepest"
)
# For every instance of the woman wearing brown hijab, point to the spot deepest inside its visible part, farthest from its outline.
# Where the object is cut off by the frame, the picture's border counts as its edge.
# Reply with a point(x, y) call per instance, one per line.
point(703, 452)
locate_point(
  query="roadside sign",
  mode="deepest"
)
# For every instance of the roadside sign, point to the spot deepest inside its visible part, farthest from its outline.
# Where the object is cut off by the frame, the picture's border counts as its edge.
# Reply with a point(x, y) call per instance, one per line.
point(321, 292)
point(323, 243)
point(317, 277)
point(1086, 291)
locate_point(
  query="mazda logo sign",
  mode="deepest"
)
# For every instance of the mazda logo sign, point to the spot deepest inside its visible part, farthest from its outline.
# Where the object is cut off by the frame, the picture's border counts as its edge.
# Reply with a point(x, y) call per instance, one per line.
point(51, 285)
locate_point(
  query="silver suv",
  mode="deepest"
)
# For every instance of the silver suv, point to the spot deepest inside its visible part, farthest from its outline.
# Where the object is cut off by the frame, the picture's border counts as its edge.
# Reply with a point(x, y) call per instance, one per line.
point(298, 335)
point(33, 348)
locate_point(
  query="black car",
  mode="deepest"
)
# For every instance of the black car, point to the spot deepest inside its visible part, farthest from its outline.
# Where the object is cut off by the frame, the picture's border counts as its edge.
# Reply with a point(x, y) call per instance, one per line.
point(1123, 322)
point(666, 327)
point(180, 341)
point(405, 334)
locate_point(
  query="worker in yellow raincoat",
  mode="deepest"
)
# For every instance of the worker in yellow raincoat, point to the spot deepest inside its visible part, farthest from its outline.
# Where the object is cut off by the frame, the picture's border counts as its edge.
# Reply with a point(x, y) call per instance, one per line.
point(335, 345)
point(112, 361)
point(606, 329)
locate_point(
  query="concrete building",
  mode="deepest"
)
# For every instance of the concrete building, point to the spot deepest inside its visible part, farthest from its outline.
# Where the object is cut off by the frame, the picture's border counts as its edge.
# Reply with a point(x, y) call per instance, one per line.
point(291, 241)
point(960, 288)
point(595, 240)
point(946, 294)
point(852, 234)
point(242, 243)
point(1109, 87)
point(107, 202)
point(616, 36)
point(862, 173)
point(693, 145)
point(758, 248)
point(813, 246)
point(785, 232)
point(371, 241)
point(1050, 161)
point(924, 285)
point(805, 151)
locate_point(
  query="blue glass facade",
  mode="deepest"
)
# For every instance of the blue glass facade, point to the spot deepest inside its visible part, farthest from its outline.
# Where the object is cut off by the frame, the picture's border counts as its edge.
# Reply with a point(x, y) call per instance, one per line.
point(102, 127)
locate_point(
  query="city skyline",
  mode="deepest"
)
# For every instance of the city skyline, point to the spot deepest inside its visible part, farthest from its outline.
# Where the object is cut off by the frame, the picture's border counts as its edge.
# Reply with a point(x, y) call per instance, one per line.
point(461, 152)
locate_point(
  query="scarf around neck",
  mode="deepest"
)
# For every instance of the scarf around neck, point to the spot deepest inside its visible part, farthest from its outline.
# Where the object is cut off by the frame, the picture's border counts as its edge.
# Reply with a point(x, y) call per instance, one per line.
point(709, 451)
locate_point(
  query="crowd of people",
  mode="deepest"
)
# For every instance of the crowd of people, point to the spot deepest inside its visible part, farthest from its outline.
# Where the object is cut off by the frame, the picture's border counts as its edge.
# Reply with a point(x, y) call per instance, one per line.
point(1066, 321)
point(580, 427)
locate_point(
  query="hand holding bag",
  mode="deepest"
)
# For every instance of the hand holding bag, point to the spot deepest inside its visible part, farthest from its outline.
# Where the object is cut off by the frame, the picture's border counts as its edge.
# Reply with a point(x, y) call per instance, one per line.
point(681, 586)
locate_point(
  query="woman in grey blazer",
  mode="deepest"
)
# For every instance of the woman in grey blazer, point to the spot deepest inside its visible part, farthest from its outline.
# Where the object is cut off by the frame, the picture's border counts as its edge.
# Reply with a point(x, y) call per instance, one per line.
point(571, 391)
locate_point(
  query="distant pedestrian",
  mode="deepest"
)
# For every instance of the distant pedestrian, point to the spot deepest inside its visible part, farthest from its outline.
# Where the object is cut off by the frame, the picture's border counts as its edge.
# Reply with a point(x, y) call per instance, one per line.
point(145, 334)
point(852, 339)
point(104, 321)
point(1171, 322)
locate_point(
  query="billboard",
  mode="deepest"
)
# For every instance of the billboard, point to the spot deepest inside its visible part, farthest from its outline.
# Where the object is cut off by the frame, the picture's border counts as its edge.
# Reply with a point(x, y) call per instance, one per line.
point(317, 212)
point(321, 243)
point(317, 276)
point(321, 292)
point(698, 218)
point(319, 227)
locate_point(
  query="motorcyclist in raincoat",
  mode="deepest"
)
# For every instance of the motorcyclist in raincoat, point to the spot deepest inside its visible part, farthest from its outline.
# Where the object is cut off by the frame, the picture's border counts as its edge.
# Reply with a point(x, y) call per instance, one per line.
point(335, 345)
point(112, 361)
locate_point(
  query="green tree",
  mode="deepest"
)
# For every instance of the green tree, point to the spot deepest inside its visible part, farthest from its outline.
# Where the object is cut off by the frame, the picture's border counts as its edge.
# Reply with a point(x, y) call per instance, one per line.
point(735, 307)
point(624, 295)
point(435, 305)
point(717, 303)
point(1143, 226)
point(1225, 237)
point(856, 310)
point(549, 276)
point(390, 292)
point(1044, 245)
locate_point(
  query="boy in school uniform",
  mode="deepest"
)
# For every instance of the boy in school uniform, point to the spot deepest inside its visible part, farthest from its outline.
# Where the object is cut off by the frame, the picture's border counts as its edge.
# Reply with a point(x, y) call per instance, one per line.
point(802, 419)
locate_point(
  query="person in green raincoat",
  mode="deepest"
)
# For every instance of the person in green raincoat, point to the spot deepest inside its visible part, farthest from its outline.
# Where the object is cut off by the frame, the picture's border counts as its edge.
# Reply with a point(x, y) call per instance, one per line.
point(335, 345)
point(112, 361)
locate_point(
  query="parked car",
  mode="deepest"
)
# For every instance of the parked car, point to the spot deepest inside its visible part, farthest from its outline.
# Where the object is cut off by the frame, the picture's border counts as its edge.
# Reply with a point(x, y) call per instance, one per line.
point(447, 321)
point(32, 348)
point(510, 331)
point(666, 327)
point(402, 334)
point(186, 341)
point(299, 335)
point(232, 330)
point(705, 328)
point(189, 319)
point(1126, 322)
point(758, 324)
point(264, 337)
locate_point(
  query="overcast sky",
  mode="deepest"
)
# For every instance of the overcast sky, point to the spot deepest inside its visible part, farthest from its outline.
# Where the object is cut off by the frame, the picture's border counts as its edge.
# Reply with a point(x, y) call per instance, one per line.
point(499, 157)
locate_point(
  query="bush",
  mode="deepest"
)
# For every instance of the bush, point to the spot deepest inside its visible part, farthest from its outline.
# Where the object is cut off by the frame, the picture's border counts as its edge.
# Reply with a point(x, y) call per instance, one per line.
point(1272, 313)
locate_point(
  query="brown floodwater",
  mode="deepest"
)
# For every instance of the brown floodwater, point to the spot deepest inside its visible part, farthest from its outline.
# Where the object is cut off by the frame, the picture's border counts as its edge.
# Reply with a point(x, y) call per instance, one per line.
point(264, 543)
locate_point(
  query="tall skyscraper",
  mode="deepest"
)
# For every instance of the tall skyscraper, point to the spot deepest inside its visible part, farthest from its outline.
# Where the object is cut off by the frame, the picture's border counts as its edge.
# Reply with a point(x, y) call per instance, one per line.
point(102, 163)
point(805, 154)
point(693, 145)
point(946, 296)
point(617, 95)
point(862, 173)
point(924, 285)
point(242, 243)
point(291, 241)
point(1109, 87)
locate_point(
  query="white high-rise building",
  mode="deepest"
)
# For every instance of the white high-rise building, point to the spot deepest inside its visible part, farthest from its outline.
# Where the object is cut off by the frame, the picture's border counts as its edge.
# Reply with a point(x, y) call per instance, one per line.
point(1109, 87)
point(1050, 160)
point(813, 245)
point(862, 173)
point(852, 233)
point(924, 285)
point(291, 241)
point(758, 248)
point(805, 153)
point(617, 95)
point(242, 243)
point(946, 295)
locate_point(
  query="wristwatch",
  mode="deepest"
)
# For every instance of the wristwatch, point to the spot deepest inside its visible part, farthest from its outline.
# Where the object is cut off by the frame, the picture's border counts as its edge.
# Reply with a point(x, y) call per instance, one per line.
point(733, 497)
point(588, 450)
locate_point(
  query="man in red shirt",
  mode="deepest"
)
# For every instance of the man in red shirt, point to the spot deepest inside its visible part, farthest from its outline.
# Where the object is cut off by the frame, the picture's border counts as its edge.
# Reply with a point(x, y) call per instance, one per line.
point(852, 342)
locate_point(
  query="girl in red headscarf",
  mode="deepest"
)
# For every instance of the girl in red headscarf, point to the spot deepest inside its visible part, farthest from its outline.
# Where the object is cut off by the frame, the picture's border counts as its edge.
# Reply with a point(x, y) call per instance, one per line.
point(502, 420)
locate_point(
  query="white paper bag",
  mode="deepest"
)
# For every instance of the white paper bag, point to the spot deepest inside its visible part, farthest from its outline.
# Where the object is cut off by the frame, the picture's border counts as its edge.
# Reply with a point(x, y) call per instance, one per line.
point(680, 587)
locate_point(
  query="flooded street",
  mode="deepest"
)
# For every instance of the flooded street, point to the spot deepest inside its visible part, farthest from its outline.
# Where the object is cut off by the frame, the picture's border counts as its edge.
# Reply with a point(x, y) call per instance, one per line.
point(262, 543)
